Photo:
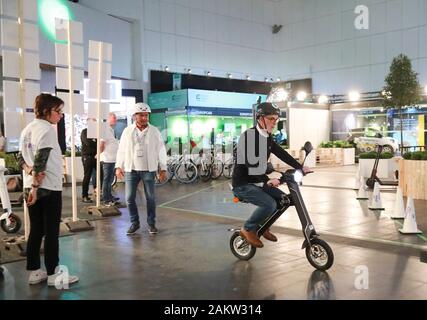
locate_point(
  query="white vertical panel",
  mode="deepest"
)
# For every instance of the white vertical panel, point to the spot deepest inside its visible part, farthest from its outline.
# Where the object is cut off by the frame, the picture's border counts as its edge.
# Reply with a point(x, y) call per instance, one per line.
point(31, 36)
point(76, 32)
point(11, 94)
point(107, 50)
point(10, 63)
point(92, 129)
point(62, 79)
point(76, 99)
point(61, 54)
point(9, 8)
point(12, 124)
point(30, 10)
point(93, 90)
point(32, 66)
point(93, 110)
point(94, 71)
point(9, 33)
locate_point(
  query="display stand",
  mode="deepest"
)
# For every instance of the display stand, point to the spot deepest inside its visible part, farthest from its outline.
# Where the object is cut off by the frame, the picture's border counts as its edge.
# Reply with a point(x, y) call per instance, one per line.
point(70, 79)
point(100, 59)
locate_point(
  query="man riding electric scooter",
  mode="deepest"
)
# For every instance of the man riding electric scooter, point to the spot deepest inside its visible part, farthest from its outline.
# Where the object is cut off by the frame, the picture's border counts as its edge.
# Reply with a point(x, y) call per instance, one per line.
point(250, 181)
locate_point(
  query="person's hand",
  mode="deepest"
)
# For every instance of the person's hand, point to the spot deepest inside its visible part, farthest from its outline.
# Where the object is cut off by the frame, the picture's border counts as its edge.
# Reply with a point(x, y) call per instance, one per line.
point(306, 170)
point(273, 182)
point(120, 173)
point(32, 197)
point(162, 176)
point(39, 177)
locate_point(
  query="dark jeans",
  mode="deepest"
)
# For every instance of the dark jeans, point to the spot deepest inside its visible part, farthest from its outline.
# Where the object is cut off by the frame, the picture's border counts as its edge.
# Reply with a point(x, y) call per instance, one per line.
point(264, 197)
point(108, 176)
point(132, 180)
point(89, 166)
point(45, 217)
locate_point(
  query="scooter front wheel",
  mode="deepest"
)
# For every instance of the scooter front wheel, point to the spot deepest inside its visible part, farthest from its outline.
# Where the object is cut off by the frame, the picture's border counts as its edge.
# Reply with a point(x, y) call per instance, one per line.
point(319, 254)
point(240, 247)
point(14, 224)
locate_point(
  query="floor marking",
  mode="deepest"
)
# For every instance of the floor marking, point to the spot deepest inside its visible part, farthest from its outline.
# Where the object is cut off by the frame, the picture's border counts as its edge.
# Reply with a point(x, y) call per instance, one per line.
point(191, 194)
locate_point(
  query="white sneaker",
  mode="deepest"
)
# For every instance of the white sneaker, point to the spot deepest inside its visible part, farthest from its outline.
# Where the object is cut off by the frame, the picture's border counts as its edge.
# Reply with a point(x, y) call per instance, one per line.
point(37, 276)
point(61, 279)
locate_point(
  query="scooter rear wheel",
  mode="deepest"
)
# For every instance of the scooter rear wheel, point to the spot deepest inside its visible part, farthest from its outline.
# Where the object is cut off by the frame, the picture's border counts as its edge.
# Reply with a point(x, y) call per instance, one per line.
point(240, 247)
point(319, 254)
point(14, 224)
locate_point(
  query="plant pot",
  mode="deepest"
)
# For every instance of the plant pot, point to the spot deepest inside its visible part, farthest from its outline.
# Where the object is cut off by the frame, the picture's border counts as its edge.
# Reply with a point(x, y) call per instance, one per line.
point(386, 167)
point(348, 155)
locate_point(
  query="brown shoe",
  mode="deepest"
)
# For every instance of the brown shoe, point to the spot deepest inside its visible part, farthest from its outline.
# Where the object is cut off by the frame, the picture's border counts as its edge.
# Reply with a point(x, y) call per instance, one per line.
point(251, 237)
point(269, 236)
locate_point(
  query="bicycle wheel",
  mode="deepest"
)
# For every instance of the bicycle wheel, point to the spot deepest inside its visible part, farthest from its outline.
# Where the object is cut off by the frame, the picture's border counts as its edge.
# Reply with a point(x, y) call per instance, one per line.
point(186, 172)
point(217, 168)
point(204, 172)
point(228, 169)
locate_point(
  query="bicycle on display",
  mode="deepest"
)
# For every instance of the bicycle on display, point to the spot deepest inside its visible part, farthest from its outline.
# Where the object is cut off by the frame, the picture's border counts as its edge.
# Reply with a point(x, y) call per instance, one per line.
point(209, 166)
point(182, 167)
point(319, 254)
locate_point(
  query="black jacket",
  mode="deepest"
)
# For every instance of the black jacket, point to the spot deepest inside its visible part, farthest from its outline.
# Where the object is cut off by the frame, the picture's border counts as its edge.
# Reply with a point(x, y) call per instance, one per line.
point(88, 145)
point(245, 160)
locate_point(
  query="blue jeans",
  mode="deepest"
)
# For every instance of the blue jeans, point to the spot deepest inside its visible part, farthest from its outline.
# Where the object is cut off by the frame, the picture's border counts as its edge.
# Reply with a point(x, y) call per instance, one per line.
point(263, 197)
point(132, 180)
point(108, 176)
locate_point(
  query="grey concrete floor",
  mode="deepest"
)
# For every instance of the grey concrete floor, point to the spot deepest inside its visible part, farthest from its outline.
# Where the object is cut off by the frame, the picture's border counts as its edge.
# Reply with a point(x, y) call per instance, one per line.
point(190, 257)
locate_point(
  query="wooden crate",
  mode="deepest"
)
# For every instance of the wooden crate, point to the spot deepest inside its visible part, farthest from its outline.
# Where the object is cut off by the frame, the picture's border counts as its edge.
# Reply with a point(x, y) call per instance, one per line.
point(412, 178)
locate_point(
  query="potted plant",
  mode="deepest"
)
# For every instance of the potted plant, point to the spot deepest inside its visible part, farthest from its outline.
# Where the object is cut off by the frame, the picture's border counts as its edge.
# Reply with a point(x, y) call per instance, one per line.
point(413, 174)
point(386, 167)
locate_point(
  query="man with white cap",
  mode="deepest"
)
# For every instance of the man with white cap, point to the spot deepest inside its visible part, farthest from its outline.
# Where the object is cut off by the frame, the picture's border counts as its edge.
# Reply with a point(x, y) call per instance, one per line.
point(141, 151)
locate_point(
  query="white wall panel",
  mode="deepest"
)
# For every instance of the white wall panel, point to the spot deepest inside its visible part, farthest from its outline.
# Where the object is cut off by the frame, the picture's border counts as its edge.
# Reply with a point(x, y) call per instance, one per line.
point(196, 23)
point(182, 21)
point(167, 17)
point(153, 46)
point(152, 15)
point(410, 43)
point(168, 49)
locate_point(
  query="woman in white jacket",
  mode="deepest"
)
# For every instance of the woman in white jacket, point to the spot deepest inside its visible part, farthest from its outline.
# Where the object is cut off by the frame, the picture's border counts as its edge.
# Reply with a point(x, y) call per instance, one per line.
point(141, 152)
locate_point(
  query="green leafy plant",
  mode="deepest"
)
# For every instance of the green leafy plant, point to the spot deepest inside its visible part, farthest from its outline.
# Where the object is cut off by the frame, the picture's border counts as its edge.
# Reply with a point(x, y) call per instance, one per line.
point(415, 155)
point(10, 162)
point(373, 155)
point(402, 88)
point(336, 144)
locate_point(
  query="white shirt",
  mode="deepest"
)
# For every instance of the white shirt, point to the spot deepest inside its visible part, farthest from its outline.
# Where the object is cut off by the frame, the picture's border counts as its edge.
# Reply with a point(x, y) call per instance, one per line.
point(110, 147)
point(140, 156)
point(40, 134)
point(156, 151)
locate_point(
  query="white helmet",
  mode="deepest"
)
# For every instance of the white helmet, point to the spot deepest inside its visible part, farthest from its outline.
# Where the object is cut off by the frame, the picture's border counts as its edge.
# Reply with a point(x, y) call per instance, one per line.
point(141, 107)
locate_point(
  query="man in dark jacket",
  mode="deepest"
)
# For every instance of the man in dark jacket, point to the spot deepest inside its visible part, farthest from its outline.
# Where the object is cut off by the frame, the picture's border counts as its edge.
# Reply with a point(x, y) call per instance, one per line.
point(250, 181)
point(89, 164)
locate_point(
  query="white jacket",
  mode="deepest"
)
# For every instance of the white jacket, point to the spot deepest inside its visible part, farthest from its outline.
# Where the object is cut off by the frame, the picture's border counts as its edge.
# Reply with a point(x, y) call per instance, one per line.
point(157, 155)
